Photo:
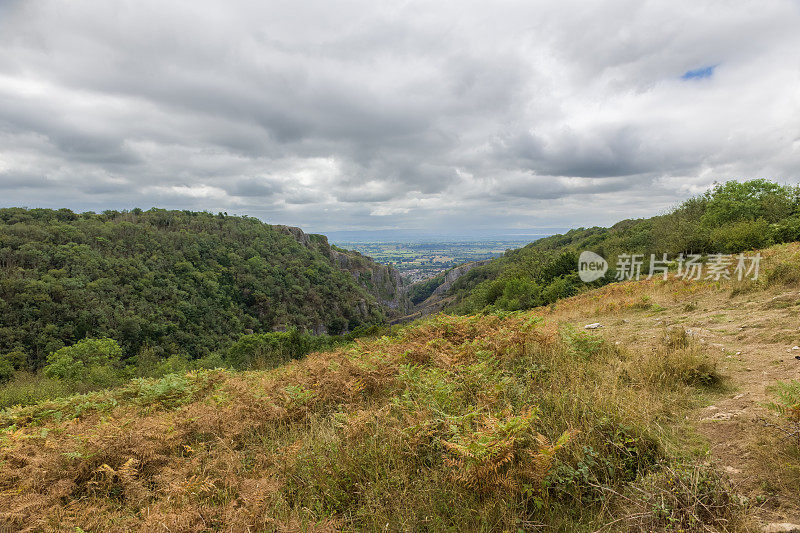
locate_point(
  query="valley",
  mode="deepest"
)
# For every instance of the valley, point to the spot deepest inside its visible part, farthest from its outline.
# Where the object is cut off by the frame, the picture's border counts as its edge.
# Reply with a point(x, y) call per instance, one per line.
point(418, 261)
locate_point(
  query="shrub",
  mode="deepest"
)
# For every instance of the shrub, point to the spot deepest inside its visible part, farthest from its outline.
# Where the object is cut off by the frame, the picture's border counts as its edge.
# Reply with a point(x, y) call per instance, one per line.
point(6, 369)
point(90, 360)
point(519, 293)
point(582, 343)
point(26, 388)
point(743, 235)
point(210, 362)
point(787, 230)
point(270, 350)
point(558, 289)
point(682, 497)
point(784, 274)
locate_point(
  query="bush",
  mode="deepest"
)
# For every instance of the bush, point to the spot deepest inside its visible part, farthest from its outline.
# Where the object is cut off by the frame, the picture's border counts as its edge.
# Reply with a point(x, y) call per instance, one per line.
point(519, 294)
point(743, 235)
point(680, 360)
point(270, 350)
point(91, 360)
point(558, 289)
point(784, 274)
point(6, 369)
point(682, 497)
point(210, 362)
point(26, 388)
point(787, 230)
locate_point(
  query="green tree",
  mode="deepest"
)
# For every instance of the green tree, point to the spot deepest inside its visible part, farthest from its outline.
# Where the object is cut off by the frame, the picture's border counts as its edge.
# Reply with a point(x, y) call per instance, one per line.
point(90, 359)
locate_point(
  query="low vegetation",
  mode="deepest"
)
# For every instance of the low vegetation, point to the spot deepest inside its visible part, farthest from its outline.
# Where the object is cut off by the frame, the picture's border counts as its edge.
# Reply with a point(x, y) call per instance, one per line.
point(493, 422)
point(787, 405)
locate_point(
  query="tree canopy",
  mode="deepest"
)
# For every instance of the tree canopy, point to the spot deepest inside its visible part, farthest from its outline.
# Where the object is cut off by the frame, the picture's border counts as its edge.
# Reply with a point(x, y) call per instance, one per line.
point(175, 282)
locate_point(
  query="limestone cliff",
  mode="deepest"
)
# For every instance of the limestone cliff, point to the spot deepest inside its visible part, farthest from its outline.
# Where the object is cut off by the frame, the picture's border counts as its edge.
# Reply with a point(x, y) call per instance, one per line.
point(381, 281)
point(438, 298)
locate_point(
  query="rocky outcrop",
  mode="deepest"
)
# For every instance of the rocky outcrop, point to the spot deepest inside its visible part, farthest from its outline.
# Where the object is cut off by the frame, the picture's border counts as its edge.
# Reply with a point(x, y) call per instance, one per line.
point(439, 299)
point(381, 281)
point(452, 275)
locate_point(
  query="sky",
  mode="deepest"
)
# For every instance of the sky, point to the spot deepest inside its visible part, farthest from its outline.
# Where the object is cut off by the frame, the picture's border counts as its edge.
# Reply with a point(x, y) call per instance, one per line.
point(442, 117)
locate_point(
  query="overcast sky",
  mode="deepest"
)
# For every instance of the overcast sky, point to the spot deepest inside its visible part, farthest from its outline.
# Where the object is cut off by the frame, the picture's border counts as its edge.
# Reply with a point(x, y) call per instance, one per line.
point(440, 116)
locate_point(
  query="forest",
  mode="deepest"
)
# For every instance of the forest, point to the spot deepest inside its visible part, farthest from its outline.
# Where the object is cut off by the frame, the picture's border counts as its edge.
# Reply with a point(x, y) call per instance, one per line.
point(167, 284)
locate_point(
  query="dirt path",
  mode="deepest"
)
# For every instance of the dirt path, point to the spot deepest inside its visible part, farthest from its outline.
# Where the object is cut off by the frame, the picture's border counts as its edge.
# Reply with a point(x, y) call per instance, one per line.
point(752, 335)
point(756, 336)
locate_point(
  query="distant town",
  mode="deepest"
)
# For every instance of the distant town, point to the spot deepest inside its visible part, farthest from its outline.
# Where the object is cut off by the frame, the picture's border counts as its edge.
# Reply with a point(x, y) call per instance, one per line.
point(417, 261)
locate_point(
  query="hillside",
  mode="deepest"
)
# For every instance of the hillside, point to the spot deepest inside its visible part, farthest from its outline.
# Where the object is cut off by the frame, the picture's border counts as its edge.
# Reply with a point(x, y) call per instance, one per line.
point(730, 218)
point(509, 421)
point(175, 282)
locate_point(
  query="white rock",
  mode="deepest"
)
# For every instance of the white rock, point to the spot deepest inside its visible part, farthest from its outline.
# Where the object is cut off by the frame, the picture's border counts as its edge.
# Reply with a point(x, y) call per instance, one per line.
point(593, 326)
point(719, 417)
point(795, 347)
point(784, 527)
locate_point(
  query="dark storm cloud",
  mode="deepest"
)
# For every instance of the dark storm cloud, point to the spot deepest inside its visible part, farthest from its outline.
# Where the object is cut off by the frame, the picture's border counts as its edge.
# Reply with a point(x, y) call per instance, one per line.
point(368, 114)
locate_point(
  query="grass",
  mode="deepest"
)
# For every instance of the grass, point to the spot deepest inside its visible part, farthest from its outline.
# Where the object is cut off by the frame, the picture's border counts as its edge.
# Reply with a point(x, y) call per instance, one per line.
point(458, 423)
point(27, 388)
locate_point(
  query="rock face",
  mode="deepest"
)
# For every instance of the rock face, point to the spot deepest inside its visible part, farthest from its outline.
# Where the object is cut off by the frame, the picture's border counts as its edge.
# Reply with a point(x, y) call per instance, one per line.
point(381, 281)
point(439, 298)
point(453, 274)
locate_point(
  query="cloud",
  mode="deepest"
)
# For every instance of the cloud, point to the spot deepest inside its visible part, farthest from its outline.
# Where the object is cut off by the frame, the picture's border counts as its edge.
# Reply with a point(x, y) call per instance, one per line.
point(359, 115)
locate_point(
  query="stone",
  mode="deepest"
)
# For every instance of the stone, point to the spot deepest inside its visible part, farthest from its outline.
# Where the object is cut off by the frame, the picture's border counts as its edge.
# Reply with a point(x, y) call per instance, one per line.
point(593, 326)
point(781, 527)
point(719, 416)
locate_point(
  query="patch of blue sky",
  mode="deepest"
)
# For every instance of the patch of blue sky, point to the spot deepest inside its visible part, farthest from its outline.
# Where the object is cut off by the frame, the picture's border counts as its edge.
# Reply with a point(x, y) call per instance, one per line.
point(699, 73)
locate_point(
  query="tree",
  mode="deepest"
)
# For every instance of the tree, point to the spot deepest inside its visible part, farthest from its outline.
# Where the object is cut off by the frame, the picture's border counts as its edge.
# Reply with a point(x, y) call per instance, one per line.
point(89, 359)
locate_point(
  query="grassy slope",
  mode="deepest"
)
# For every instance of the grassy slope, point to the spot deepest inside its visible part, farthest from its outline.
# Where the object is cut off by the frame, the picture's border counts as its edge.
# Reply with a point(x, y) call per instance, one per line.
point(465, 423)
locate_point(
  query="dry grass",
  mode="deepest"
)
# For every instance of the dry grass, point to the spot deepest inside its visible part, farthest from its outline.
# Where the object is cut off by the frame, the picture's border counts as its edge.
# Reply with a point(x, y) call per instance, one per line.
point(458, 423)
point(678, 359)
